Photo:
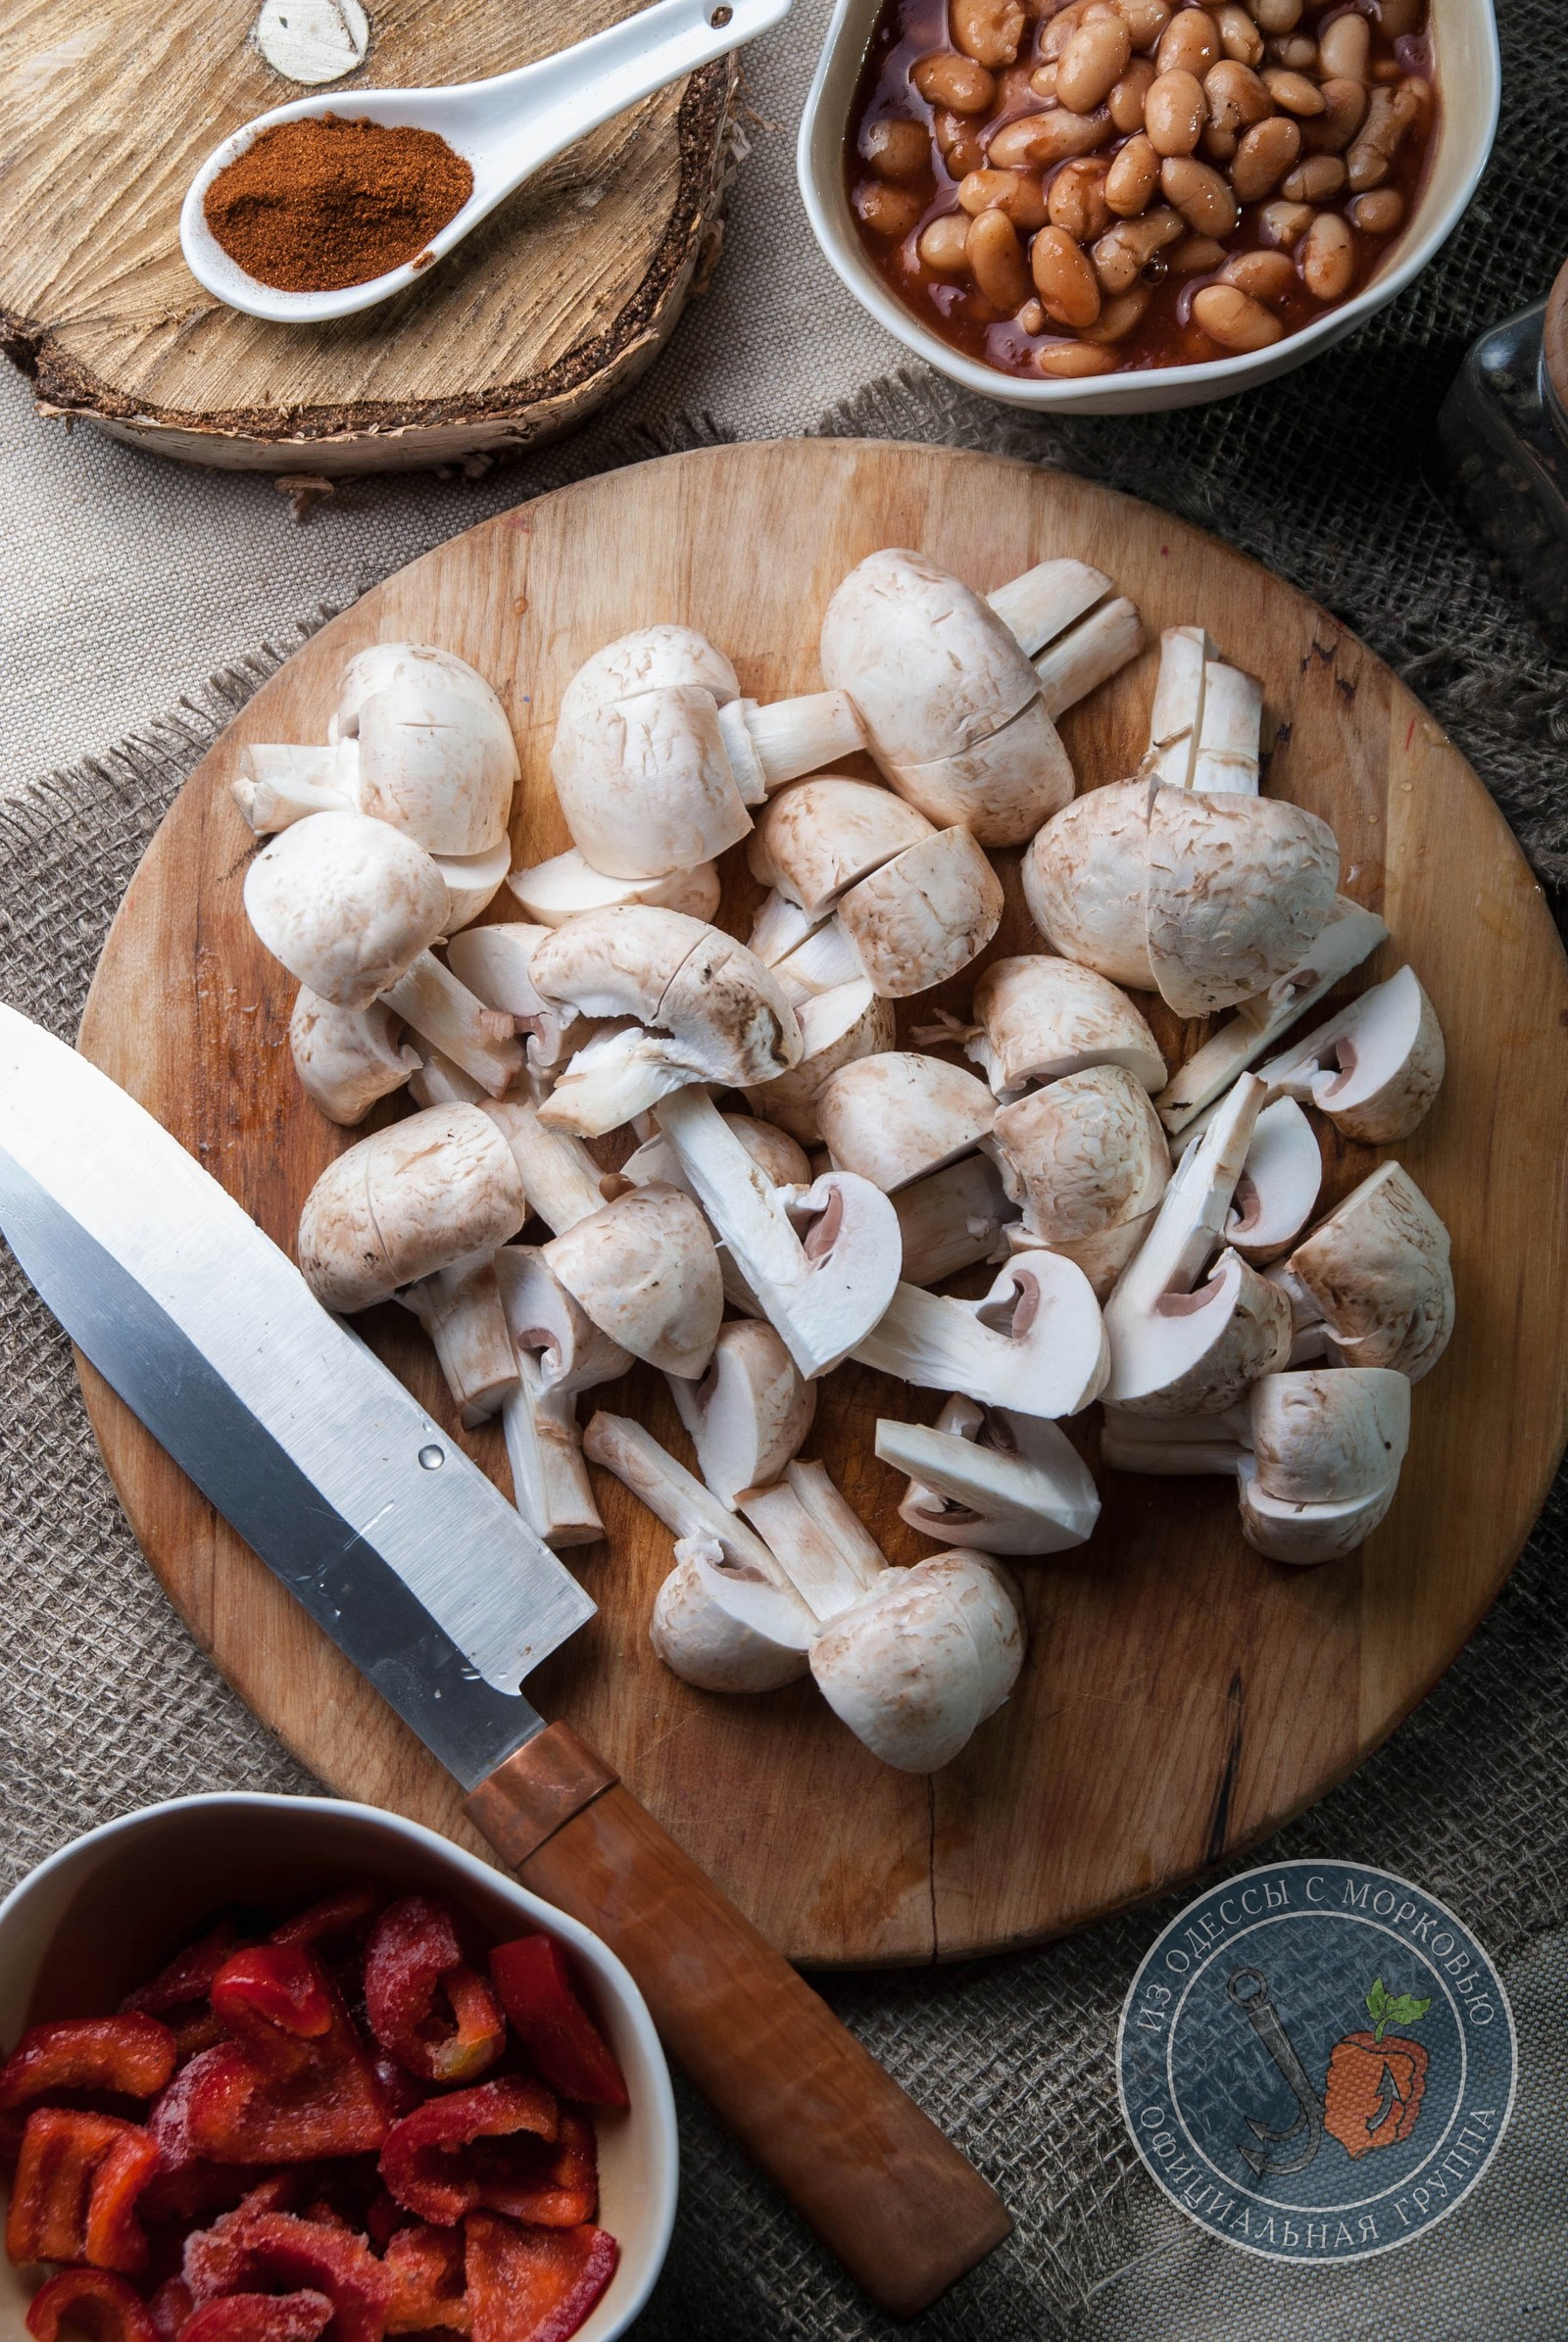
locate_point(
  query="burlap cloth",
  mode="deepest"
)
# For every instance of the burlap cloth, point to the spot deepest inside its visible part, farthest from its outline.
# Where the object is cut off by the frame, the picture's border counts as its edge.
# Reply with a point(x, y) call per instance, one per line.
point(140, 603)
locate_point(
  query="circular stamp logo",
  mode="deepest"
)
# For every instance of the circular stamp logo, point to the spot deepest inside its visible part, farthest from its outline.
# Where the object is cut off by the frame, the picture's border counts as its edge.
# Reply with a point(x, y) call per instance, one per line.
point(1316, 2061)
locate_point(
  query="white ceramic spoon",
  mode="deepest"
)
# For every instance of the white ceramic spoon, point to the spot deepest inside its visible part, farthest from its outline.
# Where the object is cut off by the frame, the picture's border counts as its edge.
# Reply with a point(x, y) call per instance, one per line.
point(504, 129)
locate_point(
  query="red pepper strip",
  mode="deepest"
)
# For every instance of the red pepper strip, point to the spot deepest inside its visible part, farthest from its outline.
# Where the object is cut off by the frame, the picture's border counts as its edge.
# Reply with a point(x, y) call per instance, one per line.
point(97, 2304)
point(185, 2186)
point(132, 2055)
point(552, 2187)
point(536, 1991)
point(189, 1976)
point(276, 1999)
point(297, 2086)
point(428, 2280)
point(248, 2250)
point(260, 2318)
point(420, 2162)
point(75, 2190)
point(344, 1913)
point(534, 2284)
point(412, 1957)
point(170, 2306)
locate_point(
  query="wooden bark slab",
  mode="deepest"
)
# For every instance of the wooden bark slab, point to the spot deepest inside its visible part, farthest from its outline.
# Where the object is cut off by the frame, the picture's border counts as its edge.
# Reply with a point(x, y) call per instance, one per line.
point(1181, 1696)
point(555, 303)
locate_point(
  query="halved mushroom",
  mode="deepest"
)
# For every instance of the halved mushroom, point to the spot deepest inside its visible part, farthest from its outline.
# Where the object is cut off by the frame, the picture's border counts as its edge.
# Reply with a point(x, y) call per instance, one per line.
point(1037, 1019)
point(953, 1220)
point(461, 1310)
point(706, 1644)
point(898, 1116)
point(952, 708)
point(1011, 1483)
point(568, 885)
point(780, 1158)
point(561, 1176)
point(820, 838)
point(347, 1058)
point(822, 1291)
point(837, 1029)
point(1178, 1346)
point(645, 1270)
point(409, 1200)
point(923, 915)
point(820, 1542)
point(1350, 935)
point(749, 1415)
point(1208, 899)
point(1087, 1159)
point(1206, 727)
point(495, 962)
point(557, 1351)
point(923, 1658)
point(472, 882)
point(1035, 1342)
point(1371, 1286)
point(702, 1010)
point(1374, 1068)
point(1278, 1186)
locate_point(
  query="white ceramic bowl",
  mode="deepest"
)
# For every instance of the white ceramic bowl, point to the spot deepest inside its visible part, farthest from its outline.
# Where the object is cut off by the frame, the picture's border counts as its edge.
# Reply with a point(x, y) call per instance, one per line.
point(105, 1912)
point(1469, 85)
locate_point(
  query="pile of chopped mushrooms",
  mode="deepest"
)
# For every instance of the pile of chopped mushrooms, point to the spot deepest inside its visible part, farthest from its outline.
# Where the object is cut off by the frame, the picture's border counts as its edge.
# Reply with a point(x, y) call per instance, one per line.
point(1153, 1236)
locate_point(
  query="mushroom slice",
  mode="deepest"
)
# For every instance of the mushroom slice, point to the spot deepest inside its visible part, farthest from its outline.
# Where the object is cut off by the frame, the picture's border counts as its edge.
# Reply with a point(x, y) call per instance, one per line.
point(1035, 1342)
point(1087, 1159)
point(706, 1009)
point(565, 886)
point(346, 903)
point(1374, 1068)
point(644, 1269)
point(1037, 1019)
point(750, 1412)
point(779, 928)
point(823, 1293)
point(899, 1116)
point(347, 1058)
point(434, 1189)
point(461, 1310)
point(1045, 601)
point(559, 1352)
point(1084, 878)
point(821, 837)
point(1372, 1282)
point(1236, 889)
point(1328, 1434)
point(472, 882)
point(1177, 714)
point(746, 1580)
point(824, 960)
point(1178, 1346)
point(952, 1220)
point(1278, 1186)
point(1009, 1483)
point(923, 1658)
point(780, 1157)
point(706, 1644)
point(1304, 1534)
point(837, 1028)
point(923, 915)
point(279, 784)
point(1350, 936)
point(436, 758)
point(1087, 655)
point(828, 1555)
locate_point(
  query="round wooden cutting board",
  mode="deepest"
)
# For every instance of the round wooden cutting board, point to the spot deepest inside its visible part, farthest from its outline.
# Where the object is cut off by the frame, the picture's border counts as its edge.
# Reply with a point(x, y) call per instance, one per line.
point(1181, 1695)
point(555, 303)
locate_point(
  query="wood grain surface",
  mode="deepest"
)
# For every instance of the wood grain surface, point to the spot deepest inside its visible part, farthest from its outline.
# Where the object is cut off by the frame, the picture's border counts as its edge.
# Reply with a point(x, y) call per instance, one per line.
point(1182, 1695)
point(556, 300)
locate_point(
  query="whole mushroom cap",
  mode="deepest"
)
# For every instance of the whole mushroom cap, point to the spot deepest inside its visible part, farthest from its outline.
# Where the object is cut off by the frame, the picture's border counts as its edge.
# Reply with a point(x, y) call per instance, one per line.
point(930, 668)
point(898, 1115)
point(346, 903)
point(1084, 1153)
point(1044, 1017)
point(1084, 877)
point(405, 1201)
point(924, 915)
point(923, 1658)
point(650, 658)
point(818, 837)
point(1239, 889)
point(1325, 1434)
point(1377, 1271)
point(645, 783)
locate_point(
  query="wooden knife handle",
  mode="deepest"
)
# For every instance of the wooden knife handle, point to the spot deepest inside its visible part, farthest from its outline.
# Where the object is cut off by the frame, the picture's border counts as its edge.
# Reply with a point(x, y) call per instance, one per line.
point(902, 2210)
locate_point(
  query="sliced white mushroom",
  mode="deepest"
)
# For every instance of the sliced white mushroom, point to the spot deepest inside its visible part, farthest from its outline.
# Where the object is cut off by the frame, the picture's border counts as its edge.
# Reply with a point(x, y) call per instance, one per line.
point(837, 1028)
point(1035, 1342)
point(347, 1058)
point(438, 1082)
point(566, 885)
point(1177, 713)
point(823, 1290)
point(820, 1542)
point(1009, 1482)
point(558, 1171)
point(779, 928)
point(495, 963)
point(820, 838)
point(953, 1220)
point(780, 1158)
point(706, 1644)
point(1038, 1018)
point(923, 1658)
point(1178, 1345)
point(923, 915)
point(435, 757)
point(1371, 1284)
point(1089, 654)
point(407, 1201)
point(823, 960)
point(1374, 1068)
point(1206, 727)
point(461, 1310)
point(702, 1010)
point(898, 1116)
point(1350, 936)
point(644, 1269)
point(483, 1041)
point(278, 783)
point(1179, 1446)
point(472, 882)
point(559, 1352)
point(1042, 603)
point(1229, 734)
point(749, 1416)
point(1087, 1159)
point(1305, 1535)
point(1279, 1185)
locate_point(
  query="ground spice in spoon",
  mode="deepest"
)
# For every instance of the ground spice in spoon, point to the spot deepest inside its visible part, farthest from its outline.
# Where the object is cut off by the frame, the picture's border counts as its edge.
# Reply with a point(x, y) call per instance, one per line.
point(320, 203)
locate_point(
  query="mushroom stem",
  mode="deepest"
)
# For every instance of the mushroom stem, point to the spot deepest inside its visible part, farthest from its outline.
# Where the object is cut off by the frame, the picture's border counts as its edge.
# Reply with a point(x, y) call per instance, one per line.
point(482, 1040)
point(347, 1058)
point(560, 1174)
point(779, 742)
point(278, 783)
point(559, 1352)
point(1175, 1446)
point(1178, 710)
point(1089, 656)
point(818, 1541)
point(821, 962)
point(461, 1310)
point(1191, 1215)
point(1007, 1483)
point(780, 927)
point(1043, 601)
point(952, 1220)
point(1231, 732)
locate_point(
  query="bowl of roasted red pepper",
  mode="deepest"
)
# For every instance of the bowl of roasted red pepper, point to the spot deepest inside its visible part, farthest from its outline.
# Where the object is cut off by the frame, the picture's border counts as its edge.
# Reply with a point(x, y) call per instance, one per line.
point(284, 2070)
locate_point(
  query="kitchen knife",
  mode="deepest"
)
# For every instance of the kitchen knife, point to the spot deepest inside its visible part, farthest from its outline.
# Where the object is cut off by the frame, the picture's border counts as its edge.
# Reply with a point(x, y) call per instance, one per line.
point(438, 1591)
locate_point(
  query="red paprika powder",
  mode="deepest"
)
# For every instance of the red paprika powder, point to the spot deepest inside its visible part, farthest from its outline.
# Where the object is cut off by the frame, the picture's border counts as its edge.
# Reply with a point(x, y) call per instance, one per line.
point(321, 203)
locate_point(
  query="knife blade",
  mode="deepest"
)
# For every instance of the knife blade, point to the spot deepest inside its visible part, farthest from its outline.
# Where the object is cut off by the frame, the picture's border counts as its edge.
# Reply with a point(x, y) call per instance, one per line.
point(404, 1553)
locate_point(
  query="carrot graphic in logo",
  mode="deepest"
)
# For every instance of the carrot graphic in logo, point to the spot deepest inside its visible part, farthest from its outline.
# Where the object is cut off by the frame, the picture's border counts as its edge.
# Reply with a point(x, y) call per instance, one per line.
point(1373, 2092)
